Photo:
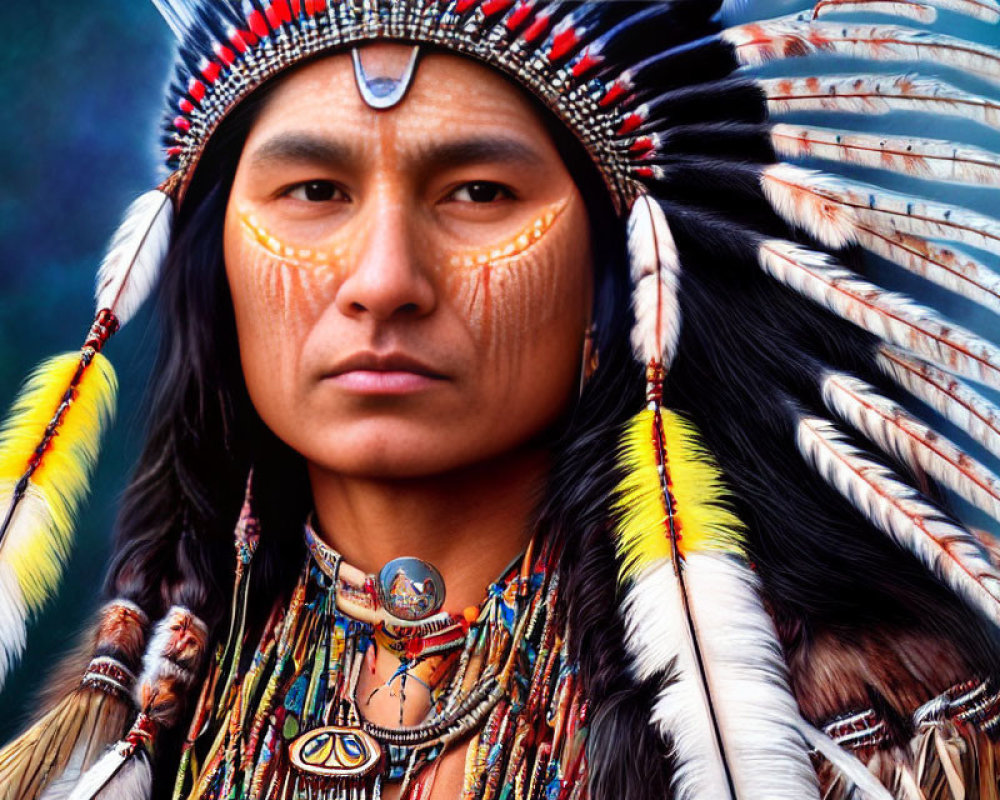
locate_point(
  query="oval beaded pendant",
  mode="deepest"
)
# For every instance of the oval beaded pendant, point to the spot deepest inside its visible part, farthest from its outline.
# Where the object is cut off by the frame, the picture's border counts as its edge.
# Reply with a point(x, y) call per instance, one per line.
point(335, 752)
point(410, 589)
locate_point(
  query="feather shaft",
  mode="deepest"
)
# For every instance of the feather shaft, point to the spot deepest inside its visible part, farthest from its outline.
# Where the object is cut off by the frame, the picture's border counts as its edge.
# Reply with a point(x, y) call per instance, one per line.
point(950, 397)
point(876, 94)
point(985, 10)
point(694, 618)
point(757, 43)
point(655, 268)
point(934, 159)
point(900, 434)
point(892, 317)
point(948, 550)
point(920, 12)
point(132, 265)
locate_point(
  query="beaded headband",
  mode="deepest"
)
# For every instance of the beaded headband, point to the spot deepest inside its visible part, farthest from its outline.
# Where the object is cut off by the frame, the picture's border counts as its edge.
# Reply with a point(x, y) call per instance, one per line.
point(557, 52)
point(689, 141)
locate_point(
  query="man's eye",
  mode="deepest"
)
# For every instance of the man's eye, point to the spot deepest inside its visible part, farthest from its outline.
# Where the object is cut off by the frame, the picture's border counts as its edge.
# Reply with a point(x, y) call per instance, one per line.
point(315, 192)
point(481, 192)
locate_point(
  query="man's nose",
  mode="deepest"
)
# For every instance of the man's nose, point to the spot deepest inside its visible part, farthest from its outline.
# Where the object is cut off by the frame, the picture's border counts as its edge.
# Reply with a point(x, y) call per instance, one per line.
point(391, 276)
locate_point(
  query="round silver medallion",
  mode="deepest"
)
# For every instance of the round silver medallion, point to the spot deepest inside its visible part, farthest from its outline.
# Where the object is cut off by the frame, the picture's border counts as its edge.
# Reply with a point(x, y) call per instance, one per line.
point(410, 589)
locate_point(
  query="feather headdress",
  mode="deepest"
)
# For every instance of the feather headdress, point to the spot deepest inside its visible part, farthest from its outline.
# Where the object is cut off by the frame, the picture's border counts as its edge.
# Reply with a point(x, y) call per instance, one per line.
point(726, 211)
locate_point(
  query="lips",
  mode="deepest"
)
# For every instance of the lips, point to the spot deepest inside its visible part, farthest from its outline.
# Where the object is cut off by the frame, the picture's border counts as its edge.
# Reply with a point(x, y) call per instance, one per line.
point(381, 374)
point(383, 362)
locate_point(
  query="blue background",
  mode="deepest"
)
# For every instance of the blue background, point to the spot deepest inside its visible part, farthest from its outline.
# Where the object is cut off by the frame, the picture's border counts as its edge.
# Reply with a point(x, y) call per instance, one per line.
point(80, 108)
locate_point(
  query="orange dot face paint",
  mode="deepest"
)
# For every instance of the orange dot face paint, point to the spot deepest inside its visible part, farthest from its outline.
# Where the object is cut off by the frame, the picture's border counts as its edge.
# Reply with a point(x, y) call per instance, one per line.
point(441, 245)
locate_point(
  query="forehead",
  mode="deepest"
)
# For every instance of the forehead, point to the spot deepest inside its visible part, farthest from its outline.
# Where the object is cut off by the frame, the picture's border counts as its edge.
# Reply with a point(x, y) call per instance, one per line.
point(449, 96)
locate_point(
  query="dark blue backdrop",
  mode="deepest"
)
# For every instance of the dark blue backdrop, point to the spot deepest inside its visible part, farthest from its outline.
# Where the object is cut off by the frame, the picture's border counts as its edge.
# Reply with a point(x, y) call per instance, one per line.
point(79, 138)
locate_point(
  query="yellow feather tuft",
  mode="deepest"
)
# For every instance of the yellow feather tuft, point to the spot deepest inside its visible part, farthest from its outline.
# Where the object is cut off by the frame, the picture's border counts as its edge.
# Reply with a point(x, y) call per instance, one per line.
point(37, 540)
point(702, 516)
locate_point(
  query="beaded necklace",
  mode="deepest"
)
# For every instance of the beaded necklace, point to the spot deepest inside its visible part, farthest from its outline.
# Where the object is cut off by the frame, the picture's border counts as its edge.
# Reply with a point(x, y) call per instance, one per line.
point(288, 726)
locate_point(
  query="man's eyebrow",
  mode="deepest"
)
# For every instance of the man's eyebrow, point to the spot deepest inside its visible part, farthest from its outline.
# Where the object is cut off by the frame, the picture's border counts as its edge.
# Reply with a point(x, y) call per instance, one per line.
point(300, 148)
point(461, 152)
point(304, 148)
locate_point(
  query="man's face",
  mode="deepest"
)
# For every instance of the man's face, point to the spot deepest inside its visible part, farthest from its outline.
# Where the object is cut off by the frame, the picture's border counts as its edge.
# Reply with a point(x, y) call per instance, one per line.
point(411, 286)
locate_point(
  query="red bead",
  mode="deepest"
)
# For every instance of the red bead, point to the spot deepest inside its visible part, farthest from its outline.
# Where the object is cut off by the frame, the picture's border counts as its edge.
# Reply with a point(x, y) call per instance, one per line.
point(196, 89)
point(186, 106)
point(537, 28)
point(258, 24)
point(491, 7)
point(629, 124)
point(225, 55)
point(642, 145)
point(645, 172)
point(296, 8)
point(182, 124)
point(278, 12)
point(210, 70)
point(562, 43)
point(242, 40)
point(464, 5)
point(615, 92)
point(586, 62)
point(174, 152)
point(519, 14)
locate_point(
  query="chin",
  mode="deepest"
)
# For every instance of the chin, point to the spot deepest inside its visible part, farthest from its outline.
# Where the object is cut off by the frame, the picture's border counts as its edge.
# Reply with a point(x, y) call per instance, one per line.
point(382, 450)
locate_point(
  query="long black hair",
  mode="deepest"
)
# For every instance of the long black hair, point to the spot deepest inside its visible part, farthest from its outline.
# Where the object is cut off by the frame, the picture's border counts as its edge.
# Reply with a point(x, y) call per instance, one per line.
point(748, 349)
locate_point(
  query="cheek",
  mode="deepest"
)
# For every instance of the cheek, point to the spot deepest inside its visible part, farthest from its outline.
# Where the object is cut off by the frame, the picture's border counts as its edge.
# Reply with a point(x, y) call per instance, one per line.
point(533, 284)
point(278, 288)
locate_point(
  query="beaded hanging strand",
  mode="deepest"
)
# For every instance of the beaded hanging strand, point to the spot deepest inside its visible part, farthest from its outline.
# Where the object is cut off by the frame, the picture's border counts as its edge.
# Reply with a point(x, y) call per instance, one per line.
point(290, 726)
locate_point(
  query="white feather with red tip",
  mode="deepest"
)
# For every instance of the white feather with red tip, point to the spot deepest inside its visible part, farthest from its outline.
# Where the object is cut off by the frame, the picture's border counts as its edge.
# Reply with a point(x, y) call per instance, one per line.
point(132, 265)
point(899, 433)
point(951, 398)
point(655, 270)
point(893, 317)
point(948, 550)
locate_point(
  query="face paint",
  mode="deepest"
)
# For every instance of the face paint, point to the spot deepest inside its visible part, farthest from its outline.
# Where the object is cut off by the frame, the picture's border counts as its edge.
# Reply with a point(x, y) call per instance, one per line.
point(489, 295)
point(499, 287)
point(508, 288)
point(295, 283)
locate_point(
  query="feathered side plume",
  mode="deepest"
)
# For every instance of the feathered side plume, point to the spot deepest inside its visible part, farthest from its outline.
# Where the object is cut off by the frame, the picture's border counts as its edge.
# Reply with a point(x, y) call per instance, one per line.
point(901, 434)
point(694, 618)
point(947, 549)
point(955, 401)
point(170, 668)
point(49, 443)
point(43, 478)
point(655, 268)
point(132, 265)
point(54, 752)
